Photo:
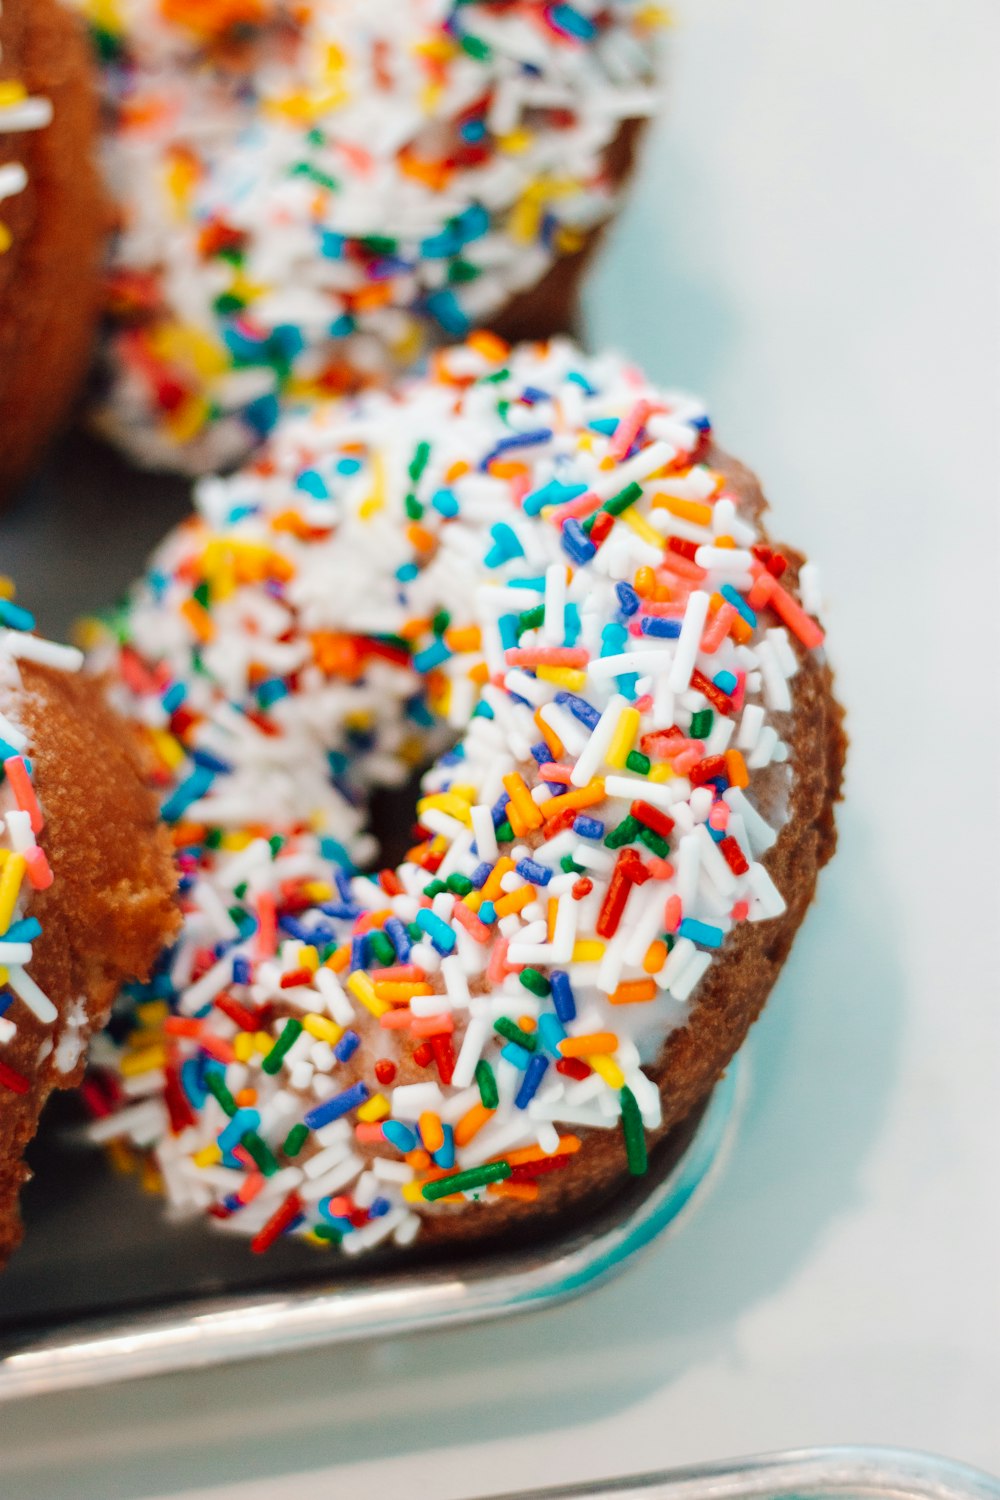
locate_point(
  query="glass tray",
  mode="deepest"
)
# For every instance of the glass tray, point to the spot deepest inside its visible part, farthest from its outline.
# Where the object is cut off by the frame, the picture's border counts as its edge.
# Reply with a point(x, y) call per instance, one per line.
point(803, 1474)
point(106, 1289)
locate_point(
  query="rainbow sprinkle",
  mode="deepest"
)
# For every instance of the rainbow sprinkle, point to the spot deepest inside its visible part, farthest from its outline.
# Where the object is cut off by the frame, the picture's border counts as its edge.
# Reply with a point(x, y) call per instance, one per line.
point(354, 185)
point(333, 1053)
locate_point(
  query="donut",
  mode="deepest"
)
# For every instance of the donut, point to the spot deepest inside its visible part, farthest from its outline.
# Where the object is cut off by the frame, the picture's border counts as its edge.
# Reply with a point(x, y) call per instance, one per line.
point(309, 194)
point(86, 880)
point(52, 222)
point(542, 563)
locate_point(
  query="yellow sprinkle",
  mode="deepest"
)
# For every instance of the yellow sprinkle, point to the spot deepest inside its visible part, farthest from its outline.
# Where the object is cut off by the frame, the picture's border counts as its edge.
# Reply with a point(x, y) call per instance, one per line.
point(169, 749)
point(6, 238)
point(4, 973)
point(121, 1158)
point(152, 1012)
point(413, 1192)
point(624, 737)
point(375, 1108)
point(446, 802)
point(149, 1177)
point(263, 1041)
point(515, 141)
point(588, 951)
point(187, 418)
point(8, 589)
point(10, 888)
point(208, 1156)
point(11, 93)
point(244, 1046)
point(322, 1028)
point(234, 842)
point(608, 1069)
point(642, 528)
point(661, 772)
point(570, 678)
point(362, 989)
point(134, 1063)
point(376, 500)
point(308, 958)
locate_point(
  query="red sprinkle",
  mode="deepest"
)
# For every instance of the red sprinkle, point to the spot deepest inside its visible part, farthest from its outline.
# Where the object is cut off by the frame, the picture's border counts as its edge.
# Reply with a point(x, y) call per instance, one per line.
point(653, 818)
point(422, 1054)
point(277, 1224)
point(629, 869)
point(180, 1111)
point(603, 523)
point(444, 1056)
point(246, 1019)
point(715, 695)
point(708, 769)
point(573, 1067)
point(733, 855)
point(527, 1171)
point(385, 1071)
point(16, 1082)
point(295, 978)
point(581, 888)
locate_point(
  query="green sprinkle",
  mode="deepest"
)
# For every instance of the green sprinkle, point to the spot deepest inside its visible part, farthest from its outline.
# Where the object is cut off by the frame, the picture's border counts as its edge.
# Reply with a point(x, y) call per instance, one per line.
point(413, 507)
point(418, 462)
point(261, 1152)
point(440, 622)
point(654, 841)
point(276, 843)
point(530, 619)
point(327, 1232)
point(569, 866)
point(535, 981)
point(381, 244)
point(511, 1032)
point(462, 271)
point(504, 832)
point(496, 377)
point(203, 595)
point(290, 1032)
point(625, 832)
point(476, 47)
point(228, 303)
point(460, 884)
point(701, 723)
point(240, 890)
point(216, 1087)
point(624, 498)
point(306, 169)
point(417, 934)
point(467, 1182)
point(295, 1139)
point(637, 762)
point(213, 838)
point(487, 1084)
point(434, 888)
point(635, 1134)
point(381, 949)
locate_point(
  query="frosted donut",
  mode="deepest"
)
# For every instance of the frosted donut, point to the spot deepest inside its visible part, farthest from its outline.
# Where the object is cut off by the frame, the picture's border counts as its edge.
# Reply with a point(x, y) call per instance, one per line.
point(52, 219)
point(545, 553)
point(86, 880)
point(309, 194)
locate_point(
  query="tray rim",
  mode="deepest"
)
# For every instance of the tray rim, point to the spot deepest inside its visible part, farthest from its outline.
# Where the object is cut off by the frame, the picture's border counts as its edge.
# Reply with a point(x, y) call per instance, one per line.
point(863, 1472)
point(205, 1332)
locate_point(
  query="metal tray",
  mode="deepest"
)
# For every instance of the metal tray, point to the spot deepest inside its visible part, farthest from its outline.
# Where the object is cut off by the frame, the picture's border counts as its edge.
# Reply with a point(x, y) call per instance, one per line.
point(804, 1474)
point(105, 1289)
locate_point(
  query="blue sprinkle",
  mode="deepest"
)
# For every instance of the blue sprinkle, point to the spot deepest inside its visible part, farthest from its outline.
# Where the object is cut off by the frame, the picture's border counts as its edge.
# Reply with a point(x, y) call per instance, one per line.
point(551, 1033)
point(190, 789)
point(700, 932)
point(481, 874)
point(487, 913)
point(431, 656)
point(656, 625)
point(397, 934)
point(516, 440)
point(588, 828)
point(16, 617)
point(348, 466)
point(335, 1108)
point(173, 697)
point(193, 1082)
point(535, 1072)
point(23, 931)
point(606, 426)
point(736, 599)
point(532, 871)
point(441, 935)
point(347, 1046)
point(516, 1054)
point(505, 545)
point(378, 1208)
point(614, 639)
point(541, 753)
point(342, 327)
point(700, 424)
point(628, 599)
point(579, 708)
point(563, 998)
point(6, 1001)
point(553, 493)
point(262, 414)
point(241, 971)
point(572, 624)
point(399, 1135)
point(211, 762)
point(444, 1156)
point(507, 627)
point(331, 245)
point(271, 691)
point(312, 483)
point(445, 502)
point(576, 543)
point(725, 681)
point(498, 812)
point(444, 307)
point(359, 951)
point(242, 1121)
point(407, 572)
point(7, 750)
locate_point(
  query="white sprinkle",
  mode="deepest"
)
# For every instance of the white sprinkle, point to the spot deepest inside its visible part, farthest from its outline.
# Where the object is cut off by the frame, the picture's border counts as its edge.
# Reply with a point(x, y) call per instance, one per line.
point(592, 754)
point(47, 653)
point(750, 726)
point(485, 833)
point(689, 640)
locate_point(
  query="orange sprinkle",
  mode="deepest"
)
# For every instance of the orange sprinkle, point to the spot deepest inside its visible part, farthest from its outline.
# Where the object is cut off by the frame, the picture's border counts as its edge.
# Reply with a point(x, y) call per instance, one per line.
point(431, 1131)
point(400, 991)
point(568, 1146)
point(463, 638)
point(479, 674)
point(199, 619)
point(339, 959)
point(489, 345)
point(584, 796)
point(556, 747)
point(410, 629)
point(527, 1023)
point(597, 1043)
point(369, 1134)
point(472, 1123)
point(634, 992)
point(736, 769)
point(552, 911)
point(418, 1160)
point(520, 802)
point(520, 1192)
point(246, 1098)
point(492, 886)
point(420, 538)
point(515, 900)
point(644, 582)
point(694, 511)
point(656, 957)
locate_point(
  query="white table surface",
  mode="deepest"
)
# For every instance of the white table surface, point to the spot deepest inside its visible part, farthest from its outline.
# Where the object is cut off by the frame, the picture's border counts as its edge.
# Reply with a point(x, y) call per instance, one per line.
point(813, 245)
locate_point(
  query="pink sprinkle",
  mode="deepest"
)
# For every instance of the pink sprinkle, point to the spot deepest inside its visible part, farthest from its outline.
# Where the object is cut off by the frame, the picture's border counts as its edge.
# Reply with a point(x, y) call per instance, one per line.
point(24, 792)
point(395, 1020)
point(660, 869)
point(574, 510)
point(369, 1135)
point(443, 1022)
point(266, 941)
point(628, 430)
point(547, 656)
point(672, 913)
point(250, 1187)
point(717, 629)
point(740, 911)
point(468, 919)
point(718, 818)
point(498, 968)
point(552, 771)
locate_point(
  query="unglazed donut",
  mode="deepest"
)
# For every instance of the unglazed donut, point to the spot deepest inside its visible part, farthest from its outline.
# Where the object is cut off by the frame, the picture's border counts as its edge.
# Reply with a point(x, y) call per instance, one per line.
point(309, 193)
point(86, 881)
point(544, 552)
point(52, 222)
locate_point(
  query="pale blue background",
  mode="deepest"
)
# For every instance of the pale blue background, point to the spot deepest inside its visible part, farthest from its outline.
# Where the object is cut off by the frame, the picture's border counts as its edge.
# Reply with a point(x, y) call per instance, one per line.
point(814, 246)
